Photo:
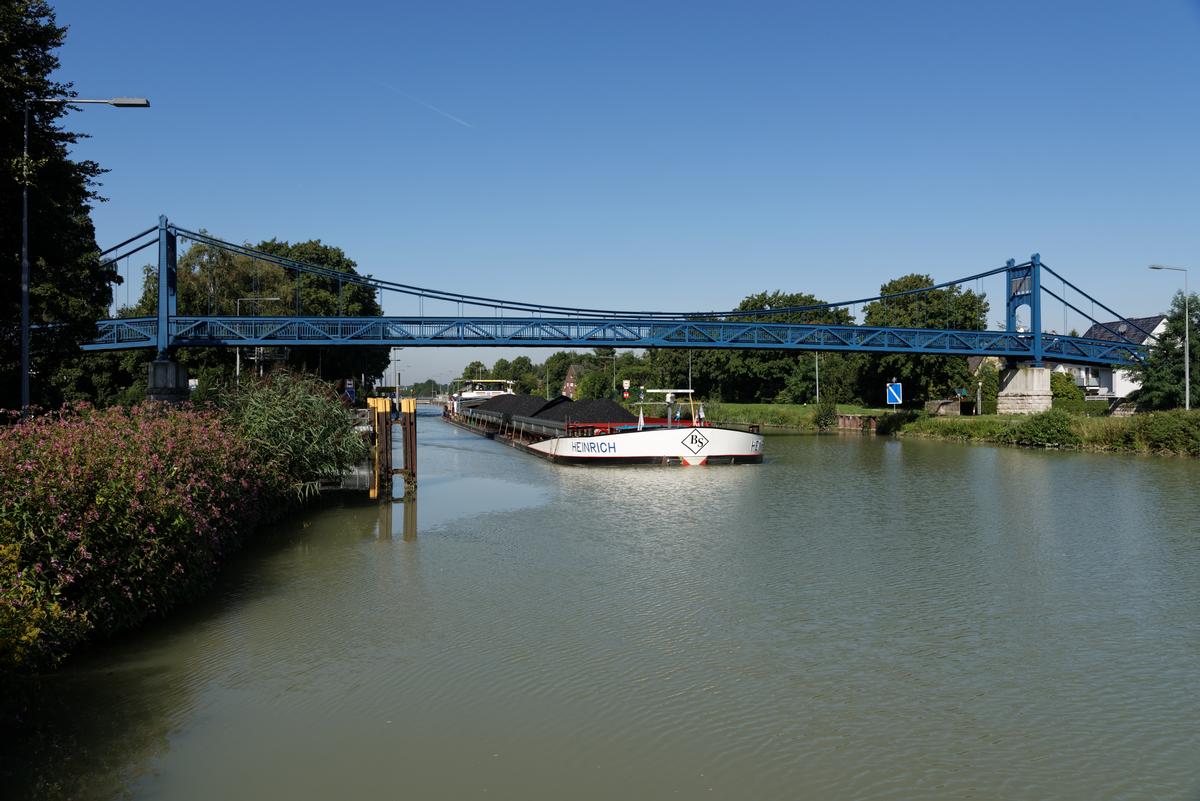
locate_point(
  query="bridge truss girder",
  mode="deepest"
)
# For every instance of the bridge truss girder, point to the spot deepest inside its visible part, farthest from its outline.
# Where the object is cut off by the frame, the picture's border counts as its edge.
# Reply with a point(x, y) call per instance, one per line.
point(591, 328)
point(183, 331)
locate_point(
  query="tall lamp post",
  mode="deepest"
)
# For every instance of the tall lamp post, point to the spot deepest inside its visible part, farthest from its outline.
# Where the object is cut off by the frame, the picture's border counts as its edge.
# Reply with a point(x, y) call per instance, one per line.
point(119, 102)
point(1187, 335)
point(237, 370)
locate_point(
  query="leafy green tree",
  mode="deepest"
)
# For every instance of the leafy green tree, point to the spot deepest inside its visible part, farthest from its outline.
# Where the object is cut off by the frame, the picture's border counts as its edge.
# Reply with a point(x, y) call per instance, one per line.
point(214, 282)
point(924, 376)
point(839, 378)
point(1062, 386)
point(475, 370)
point(1162, 374)
point(594, 384)
point(989, 376)
point(554, 370)
point(750, 376)
point(426, 389)
point(317, 296)
point(827, 413)
point(502, 369)
point(69, 287)
point(526, 374)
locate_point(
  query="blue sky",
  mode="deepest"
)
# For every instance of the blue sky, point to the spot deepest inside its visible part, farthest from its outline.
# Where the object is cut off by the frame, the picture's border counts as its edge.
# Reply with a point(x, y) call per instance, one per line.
point(659, 155)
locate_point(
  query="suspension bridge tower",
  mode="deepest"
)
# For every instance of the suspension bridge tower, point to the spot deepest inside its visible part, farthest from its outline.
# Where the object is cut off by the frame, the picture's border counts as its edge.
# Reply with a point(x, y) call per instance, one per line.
point(1025, 386)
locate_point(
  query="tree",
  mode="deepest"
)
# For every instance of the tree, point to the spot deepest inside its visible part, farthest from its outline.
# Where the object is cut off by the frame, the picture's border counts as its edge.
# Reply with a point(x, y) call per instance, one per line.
point(426, 389)
point(69, 287)
point(925, 376)
point(526, 375)
point(317, 296)
point(750, 376)
point(989, 377)
point(594, 384)
point(475, 370)
point(554, 370)
point(839, 378)
point(1063, 387)
point(213, 282)
point(502, 369)
point(1162, 373)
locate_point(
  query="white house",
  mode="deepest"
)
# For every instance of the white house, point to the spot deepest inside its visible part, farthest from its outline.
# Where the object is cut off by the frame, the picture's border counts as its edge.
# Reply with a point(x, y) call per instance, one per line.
point(1109, 382)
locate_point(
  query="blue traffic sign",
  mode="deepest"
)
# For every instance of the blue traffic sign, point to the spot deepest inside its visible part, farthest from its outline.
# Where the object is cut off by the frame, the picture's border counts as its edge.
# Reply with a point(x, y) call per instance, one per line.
point(895, 394)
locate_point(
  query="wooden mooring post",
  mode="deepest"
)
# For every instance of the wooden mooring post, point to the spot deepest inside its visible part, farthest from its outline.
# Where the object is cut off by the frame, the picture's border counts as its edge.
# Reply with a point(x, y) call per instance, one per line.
point(382, 469)
point(408, 430)
point(380, 411)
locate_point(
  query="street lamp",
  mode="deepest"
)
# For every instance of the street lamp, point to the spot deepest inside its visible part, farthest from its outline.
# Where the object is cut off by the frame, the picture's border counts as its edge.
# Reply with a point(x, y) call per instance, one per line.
point(237, 370)
point(119, 102)
point(1187, 335)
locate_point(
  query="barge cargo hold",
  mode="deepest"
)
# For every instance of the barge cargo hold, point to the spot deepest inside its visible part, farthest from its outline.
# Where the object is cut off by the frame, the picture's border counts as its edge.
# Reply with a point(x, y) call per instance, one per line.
point(602, 432)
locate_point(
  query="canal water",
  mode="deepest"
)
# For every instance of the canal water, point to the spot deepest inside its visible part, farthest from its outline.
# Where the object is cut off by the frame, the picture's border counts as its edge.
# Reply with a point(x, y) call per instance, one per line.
point(856, 618)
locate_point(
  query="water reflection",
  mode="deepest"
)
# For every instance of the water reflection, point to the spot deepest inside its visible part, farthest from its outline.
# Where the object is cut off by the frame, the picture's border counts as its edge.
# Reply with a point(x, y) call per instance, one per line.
point(407, 516)
point(855, 618)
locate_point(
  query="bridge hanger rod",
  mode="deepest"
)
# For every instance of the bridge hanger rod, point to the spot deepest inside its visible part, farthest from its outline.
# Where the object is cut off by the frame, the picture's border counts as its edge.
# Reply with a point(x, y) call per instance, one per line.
point(1105, 326)
point(142, 246)
point(1120, 317)
point(435, 294)
point(127, 241)
point(360, 280)
point(836, 304)
point(423, 292)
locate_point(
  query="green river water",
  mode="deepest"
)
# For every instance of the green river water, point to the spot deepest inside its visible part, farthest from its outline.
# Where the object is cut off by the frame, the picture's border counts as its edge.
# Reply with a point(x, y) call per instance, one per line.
point(856, 618)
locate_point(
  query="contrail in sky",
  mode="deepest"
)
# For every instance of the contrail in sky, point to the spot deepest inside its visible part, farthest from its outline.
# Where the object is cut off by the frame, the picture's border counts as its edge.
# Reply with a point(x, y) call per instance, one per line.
point(429, 106)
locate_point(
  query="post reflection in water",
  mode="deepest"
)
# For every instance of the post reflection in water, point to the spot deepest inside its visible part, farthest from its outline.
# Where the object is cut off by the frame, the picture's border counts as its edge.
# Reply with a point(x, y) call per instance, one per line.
point(855, 618)
point(408, 517)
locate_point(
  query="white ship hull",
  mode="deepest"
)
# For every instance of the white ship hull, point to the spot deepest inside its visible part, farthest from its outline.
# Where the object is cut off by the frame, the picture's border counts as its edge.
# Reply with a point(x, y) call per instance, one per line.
point(682, 445)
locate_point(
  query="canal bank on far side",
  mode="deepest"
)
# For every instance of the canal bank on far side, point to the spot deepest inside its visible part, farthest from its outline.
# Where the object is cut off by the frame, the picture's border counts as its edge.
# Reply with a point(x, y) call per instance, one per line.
point(1172, 433)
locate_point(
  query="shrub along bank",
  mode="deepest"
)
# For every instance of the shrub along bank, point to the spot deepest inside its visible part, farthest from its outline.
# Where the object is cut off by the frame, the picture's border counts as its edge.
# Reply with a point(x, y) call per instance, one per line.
point(1175, 432)
point(110, 517)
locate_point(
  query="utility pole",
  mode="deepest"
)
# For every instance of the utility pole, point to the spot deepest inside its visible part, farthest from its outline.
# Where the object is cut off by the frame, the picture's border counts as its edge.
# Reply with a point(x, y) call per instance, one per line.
point(116, 102)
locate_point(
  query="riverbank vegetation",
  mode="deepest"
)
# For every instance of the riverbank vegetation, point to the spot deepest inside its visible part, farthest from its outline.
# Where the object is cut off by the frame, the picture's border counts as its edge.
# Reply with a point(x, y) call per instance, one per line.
point(1172, 432)
point(773, 376)
point(792, 416)
point(109, 517)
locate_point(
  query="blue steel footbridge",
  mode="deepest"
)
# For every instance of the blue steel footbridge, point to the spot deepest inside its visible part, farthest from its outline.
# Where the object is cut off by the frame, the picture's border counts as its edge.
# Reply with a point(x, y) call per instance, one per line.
point(504, 323)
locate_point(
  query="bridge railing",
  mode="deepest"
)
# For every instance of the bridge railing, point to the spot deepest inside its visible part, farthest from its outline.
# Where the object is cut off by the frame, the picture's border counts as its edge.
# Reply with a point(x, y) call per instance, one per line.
point(542, 332)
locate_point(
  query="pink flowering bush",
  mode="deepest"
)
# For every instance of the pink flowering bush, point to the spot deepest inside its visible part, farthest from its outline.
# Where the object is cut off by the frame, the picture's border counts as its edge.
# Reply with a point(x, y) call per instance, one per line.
point(108, 517)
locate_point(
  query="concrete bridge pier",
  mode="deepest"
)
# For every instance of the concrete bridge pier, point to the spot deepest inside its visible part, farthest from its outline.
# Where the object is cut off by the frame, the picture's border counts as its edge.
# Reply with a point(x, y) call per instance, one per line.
point(168, 381)
point(1024, 390)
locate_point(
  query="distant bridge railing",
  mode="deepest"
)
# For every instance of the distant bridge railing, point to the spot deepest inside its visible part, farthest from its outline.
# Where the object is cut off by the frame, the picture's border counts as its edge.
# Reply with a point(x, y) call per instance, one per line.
point(142, 332)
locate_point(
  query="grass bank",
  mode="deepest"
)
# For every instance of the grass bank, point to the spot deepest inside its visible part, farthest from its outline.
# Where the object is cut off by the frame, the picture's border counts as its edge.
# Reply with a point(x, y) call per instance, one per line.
point(789, 416)
point(111, 517)
point(1169, 433)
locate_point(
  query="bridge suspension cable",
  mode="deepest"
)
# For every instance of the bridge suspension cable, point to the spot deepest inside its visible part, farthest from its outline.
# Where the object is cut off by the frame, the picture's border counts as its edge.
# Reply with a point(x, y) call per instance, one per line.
point(426, 293)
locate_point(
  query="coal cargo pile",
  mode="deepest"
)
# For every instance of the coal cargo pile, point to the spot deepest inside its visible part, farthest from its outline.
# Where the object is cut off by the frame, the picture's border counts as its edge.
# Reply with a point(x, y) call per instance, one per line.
point(588, 411)
point(520, 405)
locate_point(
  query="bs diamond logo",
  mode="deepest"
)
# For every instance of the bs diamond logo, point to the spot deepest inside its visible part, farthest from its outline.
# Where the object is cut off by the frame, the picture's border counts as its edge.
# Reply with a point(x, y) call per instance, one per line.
point(694, 441)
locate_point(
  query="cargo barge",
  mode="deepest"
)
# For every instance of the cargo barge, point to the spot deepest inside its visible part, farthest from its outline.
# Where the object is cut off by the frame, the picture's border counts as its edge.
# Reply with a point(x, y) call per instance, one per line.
point(602, 432)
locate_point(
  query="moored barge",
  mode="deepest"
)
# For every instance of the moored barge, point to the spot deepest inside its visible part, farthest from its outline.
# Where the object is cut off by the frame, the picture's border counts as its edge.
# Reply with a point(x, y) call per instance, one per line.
point(603, 432)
